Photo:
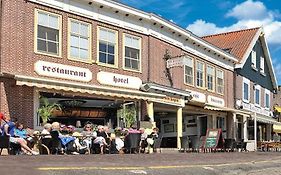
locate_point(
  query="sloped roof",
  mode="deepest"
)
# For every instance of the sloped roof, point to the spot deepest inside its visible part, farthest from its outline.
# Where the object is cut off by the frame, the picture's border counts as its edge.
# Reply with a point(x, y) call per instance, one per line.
point(235, 42)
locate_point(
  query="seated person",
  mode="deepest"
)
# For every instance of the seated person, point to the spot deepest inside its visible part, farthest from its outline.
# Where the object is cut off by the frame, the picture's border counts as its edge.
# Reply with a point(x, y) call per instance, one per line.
point(9, 130)
point(143, 141)
point(88, 135)
point(100, 139)
point(151, 139)
point(46, 132)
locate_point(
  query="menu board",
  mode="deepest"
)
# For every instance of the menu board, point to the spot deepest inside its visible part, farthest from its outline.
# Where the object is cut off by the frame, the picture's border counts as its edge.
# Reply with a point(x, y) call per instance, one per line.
point(213, 138)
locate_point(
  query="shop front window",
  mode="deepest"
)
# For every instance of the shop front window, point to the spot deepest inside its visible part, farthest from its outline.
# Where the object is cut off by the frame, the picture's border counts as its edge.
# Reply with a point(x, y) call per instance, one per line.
point(251, 131)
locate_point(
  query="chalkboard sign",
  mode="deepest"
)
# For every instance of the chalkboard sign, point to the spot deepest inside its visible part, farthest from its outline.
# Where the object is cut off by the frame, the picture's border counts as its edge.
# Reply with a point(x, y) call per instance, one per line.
point(213, 137)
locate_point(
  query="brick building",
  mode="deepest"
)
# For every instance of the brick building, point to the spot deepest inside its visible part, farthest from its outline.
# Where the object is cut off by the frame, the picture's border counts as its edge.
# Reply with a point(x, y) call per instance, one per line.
point(96, 58)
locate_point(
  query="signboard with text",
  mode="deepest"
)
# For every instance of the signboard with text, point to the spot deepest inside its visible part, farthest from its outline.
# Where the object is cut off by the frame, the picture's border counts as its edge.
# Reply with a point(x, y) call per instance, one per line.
point(112, 79)
point(213, 138)
point(215, 101)
point(56, 70)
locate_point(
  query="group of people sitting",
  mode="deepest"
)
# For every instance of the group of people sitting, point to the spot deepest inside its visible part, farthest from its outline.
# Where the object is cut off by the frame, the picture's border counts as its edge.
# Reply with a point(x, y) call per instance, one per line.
point(93, 139)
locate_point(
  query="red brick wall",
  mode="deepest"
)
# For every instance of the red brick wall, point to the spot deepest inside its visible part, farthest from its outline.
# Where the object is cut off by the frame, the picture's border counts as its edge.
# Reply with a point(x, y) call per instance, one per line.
point(17, 101)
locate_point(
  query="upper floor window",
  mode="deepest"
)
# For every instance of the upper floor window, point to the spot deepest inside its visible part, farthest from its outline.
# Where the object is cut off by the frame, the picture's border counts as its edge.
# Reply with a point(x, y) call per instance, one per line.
point(80, 40)
point(132, 47)
point(48, 33)
point(107, 47)
point(199, 74)
point(257, 95)
point(267, 99)
point(262, 65)
point(254, 59)
point(210, 78)
point(188, 71)
point(246, 90)
point(220, 81)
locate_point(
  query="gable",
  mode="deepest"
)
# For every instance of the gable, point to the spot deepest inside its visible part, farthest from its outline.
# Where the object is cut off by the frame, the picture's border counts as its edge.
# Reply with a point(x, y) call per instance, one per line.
point(255, 74)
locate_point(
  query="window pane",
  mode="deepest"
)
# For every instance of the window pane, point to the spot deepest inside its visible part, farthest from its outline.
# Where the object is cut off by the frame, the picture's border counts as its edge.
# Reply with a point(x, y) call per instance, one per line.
point(43, 19)
point(84, 54)
point(103, 35)
point(127, 52)
point(41, 32)
point(84, 30)
point(189, 62)
point(84, 43)
point(52, 47)
point(128, 40)
point(111, 49)
point(74, 41)
point(102, 47)
point(135, 43)
point(41, 45)
point(127, 63)
point(111, 36)
point(110, 59)
point(74, 27)
point(135, 64)
point(74, 52)
point(102, 57)
point(53, 22)
point(246, 86)
point(53, 35)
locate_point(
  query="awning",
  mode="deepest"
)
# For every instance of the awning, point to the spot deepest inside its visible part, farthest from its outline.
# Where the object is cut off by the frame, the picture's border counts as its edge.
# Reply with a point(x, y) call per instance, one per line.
point(278, 108)
point(216, 108)
point(266, 119)
point(277, 128)
point(85, 88)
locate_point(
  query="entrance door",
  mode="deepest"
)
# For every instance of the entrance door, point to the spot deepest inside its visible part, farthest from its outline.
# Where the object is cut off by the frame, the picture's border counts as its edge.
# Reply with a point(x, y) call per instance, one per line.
point(240, 131)
point(202, 126)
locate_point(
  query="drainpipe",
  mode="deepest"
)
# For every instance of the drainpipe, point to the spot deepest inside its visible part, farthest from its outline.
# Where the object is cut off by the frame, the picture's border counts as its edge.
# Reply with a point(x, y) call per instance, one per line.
point(148, 67)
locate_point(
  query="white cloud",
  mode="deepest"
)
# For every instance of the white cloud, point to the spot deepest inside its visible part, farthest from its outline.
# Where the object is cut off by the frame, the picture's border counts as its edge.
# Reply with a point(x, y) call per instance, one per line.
point(249, 14)
point(248, 10)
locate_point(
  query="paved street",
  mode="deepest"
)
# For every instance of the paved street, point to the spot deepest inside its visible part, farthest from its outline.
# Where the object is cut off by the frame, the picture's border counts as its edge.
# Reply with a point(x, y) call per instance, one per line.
point(160, 164)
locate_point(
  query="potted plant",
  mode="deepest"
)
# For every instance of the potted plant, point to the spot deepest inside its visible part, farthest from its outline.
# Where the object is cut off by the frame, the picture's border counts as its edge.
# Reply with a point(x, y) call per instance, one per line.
point(46, 109)
point(129, 115)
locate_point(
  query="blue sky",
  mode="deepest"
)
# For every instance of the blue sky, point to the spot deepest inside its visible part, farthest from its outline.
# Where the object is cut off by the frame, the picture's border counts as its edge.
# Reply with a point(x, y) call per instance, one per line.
point(204, 17)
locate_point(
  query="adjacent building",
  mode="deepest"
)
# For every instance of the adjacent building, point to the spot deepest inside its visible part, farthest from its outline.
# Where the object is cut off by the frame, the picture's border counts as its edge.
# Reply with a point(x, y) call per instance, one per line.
point(254, 82)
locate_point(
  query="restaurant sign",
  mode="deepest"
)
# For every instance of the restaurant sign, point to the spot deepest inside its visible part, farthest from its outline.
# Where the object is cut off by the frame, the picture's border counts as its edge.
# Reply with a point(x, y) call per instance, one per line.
point(215, 101)
point(62, 71)
point(253, 108)
point(113, 79)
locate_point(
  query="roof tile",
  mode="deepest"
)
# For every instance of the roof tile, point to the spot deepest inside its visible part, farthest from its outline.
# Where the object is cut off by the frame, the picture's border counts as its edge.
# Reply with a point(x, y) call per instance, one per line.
point(235, 42)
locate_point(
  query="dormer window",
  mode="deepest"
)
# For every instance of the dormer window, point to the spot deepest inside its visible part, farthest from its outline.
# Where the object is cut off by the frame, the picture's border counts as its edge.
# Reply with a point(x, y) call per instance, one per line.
point(254, 59)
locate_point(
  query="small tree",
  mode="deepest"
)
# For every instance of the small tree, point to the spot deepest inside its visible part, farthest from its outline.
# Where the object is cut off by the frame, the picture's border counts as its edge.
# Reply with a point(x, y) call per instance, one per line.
point(46, 109)
point(130, 115)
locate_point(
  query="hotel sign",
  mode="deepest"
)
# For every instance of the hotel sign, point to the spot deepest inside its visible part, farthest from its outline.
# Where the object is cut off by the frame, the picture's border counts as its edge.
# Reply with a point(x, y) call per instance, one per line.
point(119, 80)
point(197, 96)
point(215, 101)
point(253, 108)
point(62, 71)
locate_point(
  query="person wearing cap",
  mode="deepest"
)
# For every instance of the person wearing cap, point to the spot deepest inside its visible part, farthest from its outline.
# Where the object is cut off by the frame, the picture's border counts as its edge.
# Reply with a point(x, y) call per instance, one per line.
point(9, 130)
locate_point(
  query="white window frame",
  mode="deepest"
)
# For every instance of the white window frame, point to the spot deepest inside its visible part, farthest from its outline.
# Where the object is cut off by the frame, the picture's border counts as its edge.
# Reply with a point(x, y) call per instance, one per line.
point(217, 84)
point(257, 87)
point(203, 74)
point(192, 63)
point(214, 77)
point(89, 60)
point(59, 55)
point(140, 53)
point(115, 65)
point(254, 59)
point(262, 65)
point(266, 92)
point(246, 81)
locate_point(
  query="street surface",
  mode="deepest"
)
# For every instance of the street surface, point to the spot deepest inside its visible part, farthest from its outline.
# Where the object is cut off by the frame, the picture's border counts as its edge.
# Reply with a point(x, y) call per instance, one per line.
point(249, 163)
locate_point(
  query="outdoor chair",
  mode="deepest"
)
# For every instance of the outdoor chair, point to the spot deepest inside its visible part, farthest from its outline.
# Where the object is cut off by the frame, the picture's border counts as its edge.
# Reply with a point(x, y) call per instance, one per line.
point(242, 146)
point(229, 145)
point(4, 143)
point(55, 143)
point(184, 144)
point(132, 142)
point(157, 144)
